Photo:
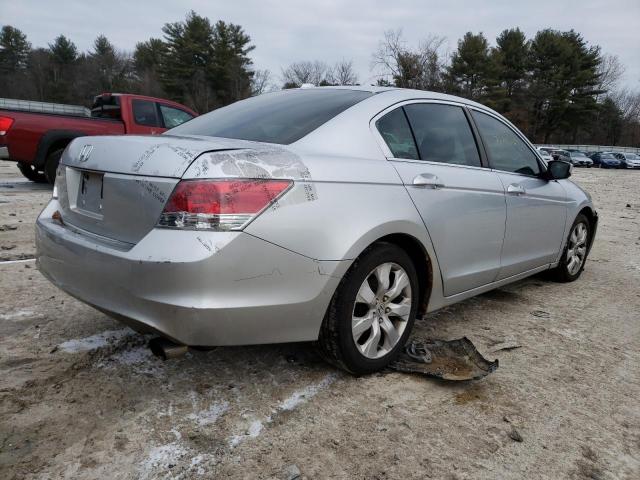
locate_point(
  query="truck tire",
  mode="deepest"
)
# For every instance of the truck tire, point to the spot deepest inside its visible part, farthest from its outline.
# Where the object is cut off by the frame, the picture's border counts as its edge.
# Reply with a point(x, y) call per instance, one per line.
point(31, 173)
point(51, 165)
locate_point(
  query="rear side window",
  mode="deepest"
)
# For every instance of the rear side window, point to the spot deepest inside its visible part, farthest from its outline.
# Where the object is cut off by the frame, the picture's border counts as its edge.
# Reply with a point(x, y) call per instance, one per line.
point(396, 132)
point(443, 134)
point(280, 117)
point(173, 117)
point(145, 113)
point(506, 150)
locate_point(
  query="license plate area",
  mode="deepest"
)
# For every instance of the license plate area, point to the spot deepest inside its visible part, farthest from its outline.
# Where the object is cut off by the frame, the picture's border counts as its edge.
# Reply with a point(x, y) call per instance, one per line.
point(90, 194)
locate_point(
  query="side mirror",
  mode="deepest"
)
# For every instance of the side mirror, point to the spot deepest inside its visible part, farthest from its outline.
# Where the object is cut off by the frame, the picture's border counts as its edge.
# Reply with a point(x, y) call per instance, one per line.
point(557, 170)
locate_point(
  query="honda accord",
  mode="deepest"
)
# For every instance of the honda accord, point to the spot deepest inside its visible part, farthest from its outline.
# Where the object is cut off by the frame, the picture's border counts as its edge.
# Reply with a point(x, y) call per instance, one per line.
point(335, 215)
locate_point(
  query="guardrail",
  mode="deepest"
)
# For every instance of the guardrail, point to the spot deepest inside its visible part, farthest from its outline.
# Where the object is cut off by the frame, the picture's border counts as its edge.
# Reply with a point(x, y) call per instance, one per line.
point(594, 148)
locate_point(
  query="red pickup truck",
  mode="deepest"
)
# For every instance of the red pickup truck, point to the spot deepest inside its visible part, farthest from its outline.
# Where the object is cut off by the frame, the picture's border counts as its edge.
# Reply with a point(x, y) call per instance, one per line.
point(34, 134)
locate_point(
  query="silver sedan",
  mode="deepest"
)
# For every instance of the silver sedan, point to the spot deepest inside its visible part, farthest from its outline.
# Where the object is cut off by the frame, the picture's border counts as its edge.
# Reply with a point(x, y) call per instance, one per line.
point(335, 215)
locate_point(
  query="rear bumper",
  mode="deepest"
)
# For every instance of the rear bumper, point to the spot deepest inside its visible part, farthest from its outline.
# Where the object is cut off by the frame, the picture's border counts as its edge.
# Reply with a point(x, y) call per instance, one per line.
point(197, 288)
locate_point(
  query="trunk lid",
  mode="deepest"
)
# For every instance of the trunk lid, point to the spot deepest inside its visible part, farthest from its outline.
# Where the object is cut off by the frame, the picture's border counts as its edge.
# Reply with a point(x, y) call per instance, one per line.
point(116, 187)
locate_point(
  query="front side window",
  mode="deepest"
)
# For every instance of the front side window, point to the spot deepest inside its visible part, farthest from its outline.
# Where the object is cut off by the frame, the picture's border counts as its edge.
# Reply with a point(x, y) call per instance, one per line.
point(144, 113)
point(173, 117)
point(443, 134)
point(506, 150)
point(395, 131)
point(280, 117)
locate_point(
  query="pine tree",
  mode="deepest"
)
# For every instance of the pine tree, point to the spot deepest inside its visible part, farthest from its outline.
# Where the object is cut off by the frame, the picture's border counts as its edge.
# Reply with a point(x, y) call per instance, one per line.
point(14, 49)
point(472, 71)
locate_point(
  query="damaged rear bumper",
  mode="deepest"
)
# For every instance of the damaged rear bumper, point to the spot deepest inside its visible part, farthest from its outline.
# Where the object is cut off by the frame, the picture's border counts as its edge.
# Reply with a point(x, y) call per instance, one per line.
point(197, 288)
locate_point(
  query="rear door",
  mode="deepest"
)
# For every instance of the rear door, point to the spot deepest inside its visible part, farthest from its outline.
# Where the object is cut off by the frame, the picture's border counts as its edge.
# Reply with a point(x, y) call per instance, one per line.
point(536, 208)
point(461, 202)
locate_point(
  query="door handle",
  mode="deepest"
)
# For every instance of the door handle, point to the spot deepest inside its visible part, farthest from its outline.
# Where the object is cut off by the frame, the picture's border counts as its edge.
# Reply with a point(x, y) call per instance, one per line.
point(427, 180)
point(516, 189)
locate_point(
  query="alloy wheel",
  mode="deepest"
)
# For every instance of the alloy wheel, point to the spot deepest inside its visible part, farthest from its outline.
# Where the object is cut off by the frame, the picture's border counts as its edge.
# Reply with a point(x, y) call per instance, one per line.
point(381, 310)
point(577, 251)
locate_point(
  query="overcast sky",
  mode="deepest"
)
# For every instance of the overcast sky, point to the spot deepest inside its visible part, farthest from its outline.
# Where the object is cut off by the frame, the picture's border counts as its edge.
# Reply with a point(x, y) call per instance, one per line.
point(284, 31)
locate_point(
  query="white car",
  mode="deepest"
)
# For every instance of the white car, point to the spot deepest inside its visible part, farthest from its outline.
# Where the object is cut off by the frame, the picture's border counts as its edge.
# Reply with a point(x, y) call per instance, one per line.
point(546, 156)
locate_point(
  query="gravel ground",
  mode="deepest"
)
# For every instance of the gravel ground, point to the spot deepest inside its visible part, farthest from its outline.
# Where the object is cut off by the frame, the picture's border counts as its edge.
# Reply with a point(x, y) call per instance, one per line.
point(81, 396)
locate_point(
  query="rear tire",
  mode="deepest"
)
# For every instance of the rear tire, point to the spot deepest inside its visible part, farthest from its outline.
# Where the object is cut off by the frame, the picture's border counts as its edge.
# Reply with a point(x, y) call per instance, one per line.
point(368, 321)
point(51, 165)
point(31, 173)
point(575, 250)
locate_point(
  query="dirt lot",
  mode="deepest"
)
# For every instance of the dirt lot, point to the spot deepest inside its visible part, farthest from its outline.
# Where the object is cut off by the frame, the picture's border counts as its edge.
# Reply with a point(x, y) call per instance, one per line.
point(81, 397)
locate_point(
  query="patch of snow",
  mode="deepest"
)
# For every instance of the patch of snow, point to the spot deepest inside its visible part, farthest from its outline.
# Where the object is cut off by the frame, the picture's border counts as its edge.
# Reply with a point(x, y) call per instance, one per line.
point(132, 356)
point(16, 314)
point(94, 341)
point(301, 396)
point(210, 415)
point(161, 457)
point(290, 403)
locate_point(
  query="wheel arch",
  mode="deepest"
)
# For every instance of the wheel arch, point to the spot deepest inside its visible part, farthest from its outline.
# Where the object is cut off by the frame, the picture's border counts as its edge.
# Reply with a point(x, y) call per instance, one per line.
point(52, 141)
point(418, 252)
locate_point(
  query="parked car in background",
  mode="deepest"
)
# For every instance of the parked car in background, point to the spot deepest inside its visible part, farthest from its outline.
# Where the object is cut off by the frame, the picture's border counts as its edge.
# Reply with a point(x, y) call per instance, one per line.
point(605, 160)
point(544, 154)
point(579, 158)
point(628, 160)
point(34, 134)
point(335, 215)
point(559, 154)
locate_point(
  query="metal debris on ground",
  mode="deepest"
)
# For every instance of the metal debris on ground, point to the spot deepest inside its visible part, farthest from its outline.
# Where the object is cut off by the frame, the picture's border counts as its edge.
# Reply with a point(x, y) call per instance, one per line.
point(446, 359)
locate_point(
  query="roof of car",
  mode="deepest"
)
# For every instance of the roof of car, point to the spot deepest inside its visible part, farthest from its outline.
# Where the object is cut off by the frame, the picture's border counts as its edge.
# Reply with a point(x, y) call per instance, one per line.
point(407, 94)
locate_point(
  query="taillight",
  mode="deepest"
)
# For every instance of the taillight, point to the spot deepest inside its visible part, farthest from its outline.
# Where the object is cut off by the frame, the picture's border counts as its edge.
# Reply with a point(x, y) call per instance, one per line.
point(220, 204)
point(5, 124)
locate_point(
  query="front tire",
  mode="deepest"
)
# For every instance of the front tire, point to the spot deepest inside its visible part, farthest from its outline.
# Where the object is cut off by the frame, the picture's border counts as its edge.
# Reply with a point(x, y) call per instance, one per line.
point(575, 252)
point(372, 311)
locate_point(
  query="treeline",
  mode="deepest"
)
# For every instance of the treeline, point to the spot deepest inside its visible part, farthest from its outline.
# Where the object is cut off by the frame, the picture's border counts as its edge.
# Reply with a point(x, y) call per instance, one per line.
point(554, 86)
point(197, 63)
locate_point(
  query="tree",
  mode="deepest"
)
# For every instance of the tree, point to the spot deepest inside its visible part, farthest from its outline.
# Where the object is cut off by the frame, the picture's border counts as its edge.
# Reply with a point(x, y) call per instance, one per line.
point(147, 59)
point(261, 82)
point(63, 51)
point(420, 68)
point(184, 69)
point(511, 55)
point(205, 66)
point(231, 69)
point(14, 49)
point(64, 55)
point(563, 86)
point(312, 72)
point(472, 72)
point(343, 73)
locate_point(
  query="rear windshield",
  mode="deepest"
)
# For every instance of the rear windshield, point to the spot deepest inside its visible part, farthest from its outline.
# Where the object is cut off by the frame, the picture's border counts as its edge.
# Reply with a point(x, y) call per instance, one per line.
point(106, 106)
point(280, 117)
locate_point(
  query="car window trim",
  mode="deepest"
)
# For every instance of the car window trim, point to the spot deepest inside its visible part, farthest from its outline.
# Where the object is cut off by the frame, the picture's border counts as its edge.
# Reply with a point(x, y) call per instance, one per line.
point(388, 154)
point(528, 144)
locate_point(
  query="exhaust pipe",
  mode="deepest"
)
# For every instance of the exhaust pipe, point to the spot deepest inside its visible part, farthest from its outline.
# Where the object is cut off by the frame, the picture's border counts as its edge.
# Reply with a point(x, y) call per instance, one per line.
point(166, 349)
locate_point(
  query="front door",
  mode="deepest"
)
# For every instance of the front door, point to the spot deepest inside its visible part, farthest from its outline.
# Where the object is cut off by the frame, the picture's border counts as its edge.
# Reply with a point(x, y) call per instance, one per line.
point(461, 203)
point(536, 208)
